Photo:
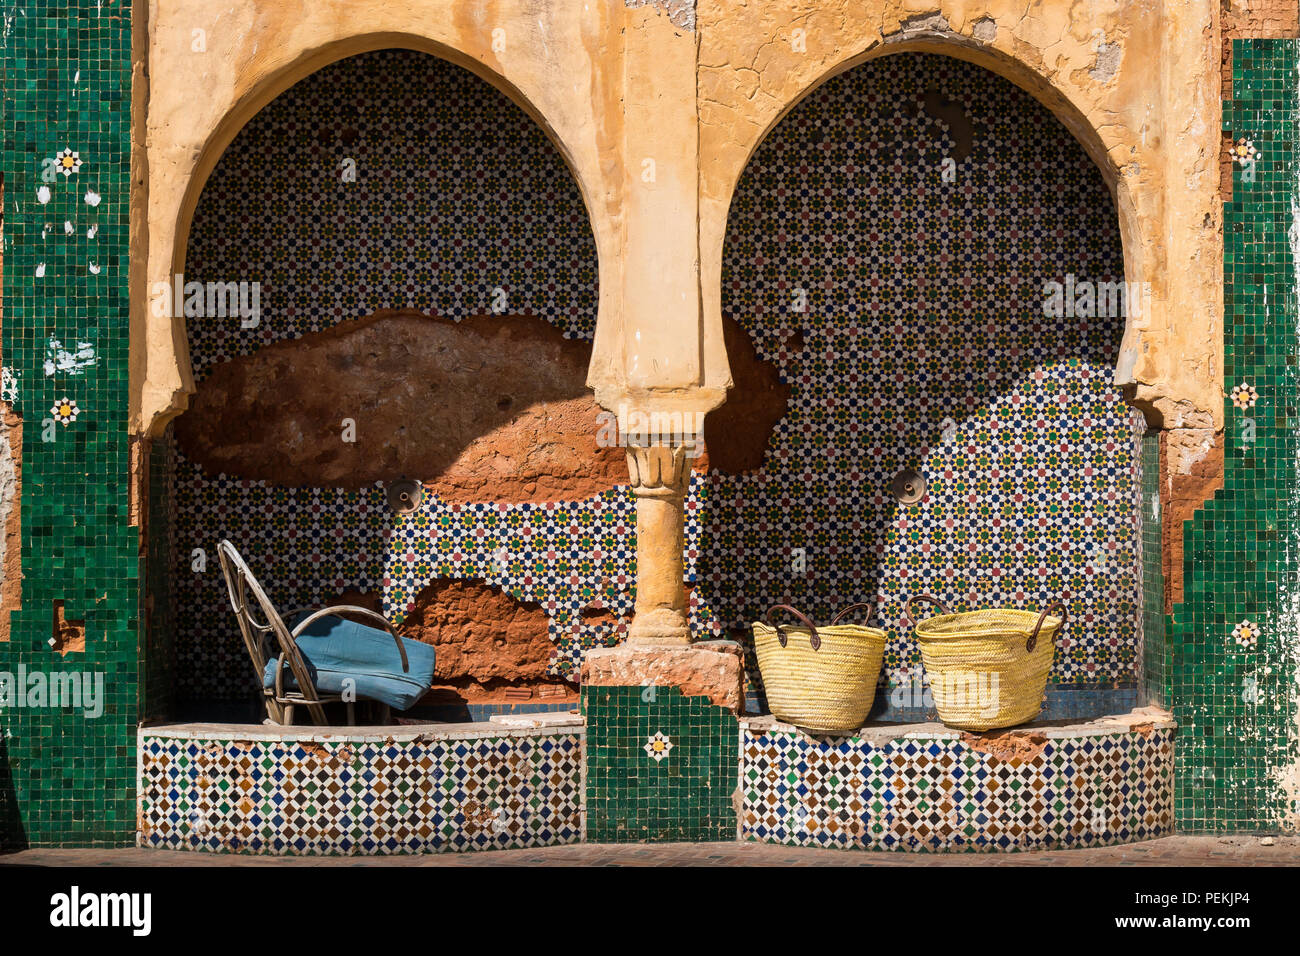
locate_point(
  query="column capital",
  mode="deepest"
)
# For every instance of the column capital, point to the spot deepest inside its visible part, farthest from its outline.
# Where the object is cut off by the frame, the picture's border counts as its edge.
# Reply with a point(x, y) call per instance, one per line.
point(660, 470)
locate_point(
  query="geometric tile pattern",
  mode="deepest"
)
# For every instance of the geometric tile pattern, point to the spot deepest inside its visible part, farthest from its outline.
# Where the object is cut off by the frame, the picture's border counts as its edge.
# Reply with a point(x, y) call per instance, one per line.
point(661, 767)
point(306, 545)
point(922, 342)
point(363, 797)
point(452, 193)
point(933, 792)
point(1030, 493)
point(488, 209)
point(1237, 701)
point(65, 84)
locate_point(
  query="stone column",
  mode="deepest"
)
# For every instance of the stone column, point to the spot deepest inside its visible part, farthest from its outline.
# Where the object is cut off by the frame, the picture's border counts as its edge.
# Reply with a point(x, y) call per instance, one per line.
point(660, 474)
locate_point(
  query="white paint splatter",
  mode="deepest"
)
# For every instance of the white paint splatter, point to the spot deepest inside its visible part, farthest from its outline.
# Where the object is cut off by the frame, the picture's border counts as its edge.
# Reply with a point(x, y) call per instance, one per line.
point(1287, 777)
point(8, 384)
point(92, 197)
point(40, 270)
point(59, 359)
point(43, 195)
point(90, 233)
point(94, 269)
point(68, 228)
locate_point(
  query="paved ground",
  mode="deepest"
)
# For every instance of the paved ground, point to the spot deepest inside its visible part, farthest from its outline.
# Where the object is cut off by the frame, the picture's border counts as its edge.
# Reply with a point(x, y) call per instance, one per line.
point(1171, 851)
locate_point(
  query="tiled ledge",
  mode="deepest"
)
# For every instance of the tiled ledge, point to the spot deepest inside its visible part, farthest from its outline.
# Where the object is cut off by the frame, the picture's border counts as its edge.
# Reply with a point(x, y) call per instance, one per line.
point(507, 725)
point(925, 787)
point(1139, 720)
point(510, 783)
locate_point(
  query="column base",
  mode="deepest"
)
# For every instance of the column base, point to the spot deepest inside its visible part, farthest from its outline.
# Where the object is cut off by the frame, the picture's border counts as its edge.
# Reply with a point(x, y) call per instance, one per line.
point(712, 669)
point(660, 625)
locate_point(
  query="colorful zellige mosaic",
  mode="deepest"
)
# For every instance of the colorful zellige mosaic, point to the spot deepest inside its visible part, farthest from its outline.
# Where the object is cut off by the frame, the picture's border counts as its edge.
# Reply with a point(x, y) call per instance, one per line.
point(487, 205)
point(924, 303)
point(933, 791)
point(1234, 655)
point(390, 180)
point(661, 766)
point(421, 794)
point(923, 344)
point(66, 773)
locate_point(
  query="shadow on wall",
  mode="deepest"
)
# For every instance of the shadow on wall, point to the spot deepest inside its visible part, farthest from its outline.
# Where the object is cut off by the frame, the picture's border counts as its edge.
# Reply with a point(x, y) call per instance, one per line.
point(12, 834)
point(892, 261)
point(490, 407)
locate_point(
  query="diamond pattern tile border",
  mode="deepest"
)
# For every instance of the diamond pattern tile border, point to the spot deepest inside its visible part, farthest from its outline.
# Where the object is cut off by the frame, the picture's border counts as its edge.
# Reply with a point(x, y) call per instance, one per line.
point(427, 794)
point(936, 792)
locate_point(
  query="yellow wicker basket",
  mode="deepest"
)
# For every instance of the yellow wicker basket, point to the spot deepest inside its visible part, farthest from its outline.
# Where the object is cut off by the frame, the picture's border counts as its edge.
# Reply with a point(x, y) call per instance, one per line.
point(987, 669)
point(821, 679)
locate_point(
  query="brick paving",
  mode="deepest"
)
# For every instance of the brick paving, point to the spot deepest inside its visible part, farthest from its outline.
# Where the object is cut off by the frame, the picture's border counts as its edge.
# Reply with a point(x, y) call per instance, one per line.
point(1178, 851)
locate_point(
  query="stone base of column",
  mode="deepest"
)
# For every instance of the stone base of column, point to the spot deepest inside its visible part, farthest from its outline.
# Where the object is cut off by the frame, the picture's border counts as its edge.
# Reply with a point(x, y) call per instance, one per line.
point(712, 669)
point(659, 626)
point(662, 722)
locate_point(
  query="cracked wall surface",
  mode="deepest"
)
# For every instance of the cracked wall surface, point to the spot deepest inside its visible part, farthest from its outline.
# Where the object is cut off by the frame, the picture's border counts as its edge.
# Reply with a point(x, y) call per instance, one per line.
point(11, 575)
point(658, 121)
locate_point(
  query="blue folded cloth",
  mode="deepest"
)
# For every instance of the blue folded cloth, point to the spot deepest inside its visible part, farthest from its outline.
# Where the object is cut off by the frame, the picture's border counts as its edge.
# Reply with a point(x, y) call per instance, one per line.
point(336, 650)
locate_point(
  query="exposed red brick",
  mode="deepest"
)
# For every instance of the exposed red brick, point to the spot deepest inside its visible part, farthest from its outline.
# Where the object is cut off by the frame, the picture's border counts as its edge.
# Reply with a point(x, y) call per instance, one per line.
point(1240, 19)
point(1011, 745)
point(468, 613)
point(494, 408)
point(69, 636)
point(486, 640)
point(1181, 496)
point(712, 669)
point(11, 586)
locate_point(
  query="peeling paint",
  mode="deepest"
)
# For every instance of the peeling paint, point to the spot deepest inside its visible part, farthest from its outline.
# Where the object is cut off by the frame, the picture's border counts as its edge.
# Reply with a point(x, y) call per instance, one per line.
point(66, 361)
point(1106, 65)
point(681, 13)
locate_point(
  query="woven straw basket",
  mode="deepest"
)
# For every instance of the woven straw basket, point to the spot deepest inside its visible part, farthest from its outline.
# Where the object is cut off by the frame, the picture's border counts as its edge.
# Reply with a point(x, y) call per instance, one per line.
point(987, 669)
point(822, 679)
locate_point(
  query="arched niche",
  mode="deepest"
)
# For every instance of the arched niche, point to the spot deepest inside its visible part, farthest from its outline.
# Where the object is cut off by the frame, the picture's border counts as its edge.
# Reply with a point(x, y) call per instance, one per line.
point(898, 315)
point(752, 80)
point(246, 58)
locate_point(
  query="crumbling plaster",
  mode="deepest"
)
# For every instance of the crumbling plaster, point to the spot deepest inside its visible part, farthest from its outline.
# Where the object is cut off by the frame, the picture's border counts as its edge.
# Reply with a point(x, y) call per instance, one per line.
point(190, 104)
point(657, 122)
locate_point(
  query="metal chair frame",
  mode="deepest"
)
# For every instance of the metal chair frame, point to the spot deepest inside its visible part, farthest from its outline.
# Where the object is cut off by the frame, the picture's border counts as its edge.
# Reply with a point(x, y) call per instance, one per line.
point(262, 637)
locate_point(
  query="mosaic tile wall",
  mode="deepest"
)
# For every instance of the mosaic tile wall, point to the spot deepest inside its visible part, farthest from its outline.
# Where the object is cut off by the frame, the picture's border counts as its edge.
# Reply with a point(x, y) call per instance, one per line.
point(1235, 657)
point(932, 792)
point(69, 770)
point(489, 204)
point(923, 343)
point(661, 767)
point(885, 256)
point(499, 790)
point(1155, 636)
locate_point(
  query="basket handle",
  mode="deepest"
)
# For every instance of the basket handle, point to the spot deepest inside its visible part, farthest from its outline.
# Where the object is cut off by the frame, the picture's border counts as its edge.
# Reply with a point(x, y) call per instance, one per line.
point(780, 634)
point(853, 607)
point(1033, 638)
point(929, 599)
